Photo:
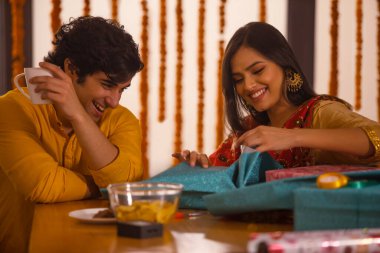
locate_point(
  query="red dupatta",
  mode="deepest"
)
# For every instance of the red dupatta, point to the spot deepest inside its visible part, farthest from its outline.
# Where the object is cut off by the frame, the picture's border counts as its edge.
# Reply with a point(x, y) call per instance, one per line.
point(294, 157)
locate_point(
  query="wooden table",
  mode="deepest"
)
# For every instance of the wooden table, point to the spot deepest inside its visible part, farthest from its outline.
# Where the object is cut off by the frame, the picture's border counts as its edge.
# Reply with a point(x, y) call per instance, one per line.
point(54, 231)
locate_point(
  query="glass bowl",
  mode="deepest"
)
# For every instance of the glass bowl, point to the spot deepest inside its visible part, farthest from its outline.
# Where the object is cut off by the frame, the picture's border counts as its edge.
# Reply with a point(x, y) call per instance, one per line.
point(152, 202)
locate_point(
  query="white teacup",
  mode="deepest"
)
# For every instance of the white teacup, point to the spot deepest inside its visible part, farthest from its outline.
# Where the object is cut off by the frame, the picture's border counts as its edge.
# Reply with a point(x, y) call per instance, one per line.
point(29, 73)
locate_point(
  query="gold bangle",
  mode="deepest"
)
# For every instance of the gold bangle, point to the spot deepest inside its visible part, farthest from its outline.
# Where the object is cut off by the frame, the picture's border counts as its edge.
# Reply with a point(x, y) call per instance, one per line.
point(374, 138)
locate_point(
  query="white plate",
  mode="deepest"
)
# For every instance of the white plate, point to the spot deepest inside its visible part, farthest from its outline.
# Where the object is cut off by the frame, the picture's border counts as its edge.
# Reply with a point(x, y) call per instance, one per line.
point(87, 215)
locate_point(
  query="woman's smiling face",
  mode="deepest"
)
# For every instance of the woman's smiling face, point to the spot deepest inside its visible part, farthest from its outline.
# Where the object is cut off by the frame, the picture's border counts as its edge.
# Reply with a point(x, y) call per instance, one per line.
point(258, 80)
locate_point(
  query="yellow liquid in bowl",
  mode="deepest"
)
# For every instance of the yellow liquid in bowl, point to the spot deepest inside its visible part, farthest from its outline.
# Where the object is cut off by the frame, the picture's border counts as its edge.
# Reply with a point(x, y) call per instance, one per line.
point(152, 211)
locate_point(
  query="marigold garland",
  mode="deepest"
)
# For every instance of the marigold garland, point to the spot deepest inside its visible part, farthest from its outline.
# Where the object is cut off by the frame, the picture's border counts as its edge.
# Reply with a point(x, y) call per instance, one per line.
point(17, 10)
point(219, 94)
point(86, 8)
point(263, 13)
point(333, 85)
point(162, 89)
point(144, 89)
point(359, 43)
point(114, 9)
point(178, 85)
point(55, 16)
point(378, 60)
point(201, 68)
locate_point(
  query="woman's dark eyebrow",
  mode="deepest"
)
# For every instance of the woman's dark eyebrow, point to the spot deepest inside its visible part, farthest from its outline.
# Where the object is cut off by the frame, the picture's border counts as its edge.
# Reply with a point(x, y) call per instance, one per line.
point(252, 65)
point(249, 67)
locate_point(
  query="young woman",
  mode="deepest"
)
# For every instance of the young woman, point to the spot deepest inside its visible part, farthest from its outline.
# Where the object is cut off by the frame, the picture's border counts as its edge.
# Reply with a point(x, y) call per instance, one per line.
point(271, 106)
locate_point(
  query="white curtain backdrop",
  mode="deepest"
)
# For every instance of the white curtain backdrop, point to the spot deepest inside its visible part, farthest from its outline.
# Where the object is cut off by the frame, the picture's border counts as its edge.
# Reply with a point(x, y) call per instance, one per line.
point(238, 13)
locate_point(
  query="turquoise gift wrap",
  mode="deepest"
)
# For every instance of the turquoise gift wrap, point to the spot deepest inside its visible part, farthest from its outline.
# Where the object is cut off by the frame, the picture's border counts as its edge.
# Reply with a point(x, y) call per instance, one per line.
point(318, 209)
point(275, 195)
point(199, 182)
point(314, 208)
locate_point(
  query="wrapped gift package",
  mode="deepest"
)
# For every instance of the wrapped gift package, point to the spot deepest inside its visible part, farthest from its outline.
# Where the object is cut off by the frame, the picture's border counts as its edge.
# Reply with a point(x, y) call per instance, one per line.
point(340, 208)
point(277, 174)
point(313, 208)
point(242, 188)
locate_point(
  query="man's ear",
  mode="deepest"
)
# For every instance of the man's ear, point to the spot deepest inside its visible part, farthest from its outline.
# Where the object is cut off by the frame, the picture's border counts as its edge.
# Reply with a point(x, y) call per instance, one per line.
point(69, 68)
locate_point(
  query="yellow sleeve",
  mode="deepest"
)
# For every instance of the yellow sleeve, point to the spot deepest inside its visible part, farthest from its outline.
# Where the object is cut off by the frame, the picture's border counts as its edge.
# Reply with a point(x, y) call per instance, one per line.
point(123, 130)
point(332, 114)
point(29, 163)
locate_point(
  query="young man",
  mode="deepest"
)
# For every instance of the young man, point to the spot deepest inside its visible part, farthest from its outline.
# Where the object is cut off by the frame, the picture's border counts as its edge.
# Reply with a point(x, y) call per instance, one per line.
point(81, 142)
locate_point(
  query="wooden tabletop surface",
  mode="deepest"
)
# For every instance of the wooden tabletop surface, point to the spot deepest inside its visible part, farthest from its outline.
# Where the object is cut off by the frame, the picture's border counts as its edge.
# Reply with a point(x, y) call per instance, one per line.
point(54, 231)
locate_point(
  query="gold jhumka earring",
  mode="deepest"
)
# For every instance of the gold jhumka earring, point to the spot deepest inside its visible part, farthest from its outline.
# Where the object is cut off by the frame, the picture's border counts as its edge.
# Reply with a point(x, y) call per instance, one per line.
point(293, 81)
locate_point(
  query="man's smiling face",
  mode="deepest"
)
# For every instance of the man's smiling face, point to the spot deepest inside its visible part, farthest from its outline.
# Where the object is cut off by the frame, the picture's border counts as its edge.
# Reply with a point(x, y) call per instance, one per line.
point(98, 92)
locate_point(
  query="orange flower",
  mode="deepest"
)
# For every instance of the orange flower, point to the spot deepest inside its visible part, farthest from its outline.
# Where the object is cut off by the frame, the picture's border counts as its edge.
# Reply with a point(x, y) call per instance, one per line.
point(17, 10)
point(334, 49)
point(54, 15)
point(114, 9)
point(161, 104)
point(201, 68)
point(178, 85)
point(262, 13)
point(219, 99)
point(144, 89)
point(378, 60)
point(86, 8)
point(359, 42)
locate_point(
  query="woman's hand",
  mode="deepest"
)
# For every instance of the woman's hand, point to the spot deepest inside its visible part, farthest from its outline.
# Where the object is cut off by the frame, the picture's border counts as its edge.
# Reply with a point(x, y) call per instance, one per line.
point(192, 158)
point(265, 138)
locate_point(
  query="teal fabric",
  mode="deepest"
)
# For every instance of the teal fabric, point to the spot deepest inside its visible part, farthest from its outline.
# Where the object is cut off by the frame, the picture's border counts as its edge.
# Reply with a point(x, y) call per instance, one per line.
point(314, 208)
point(343, 208)
point(198, 182)
point(273, 195)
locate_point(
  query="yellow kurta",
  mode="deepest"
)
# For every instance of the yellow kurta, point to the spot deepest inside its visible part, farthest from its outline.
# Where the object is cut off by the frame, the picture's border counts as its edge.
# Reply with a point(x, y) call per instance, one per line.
point(40, 163)
point(330, 114)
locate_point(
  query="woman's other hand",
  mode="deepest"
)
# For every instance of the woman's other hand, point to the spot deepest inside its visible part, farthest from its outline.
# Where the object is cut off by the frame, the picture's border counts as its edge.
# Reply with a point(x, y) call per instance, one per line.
point(192, 158)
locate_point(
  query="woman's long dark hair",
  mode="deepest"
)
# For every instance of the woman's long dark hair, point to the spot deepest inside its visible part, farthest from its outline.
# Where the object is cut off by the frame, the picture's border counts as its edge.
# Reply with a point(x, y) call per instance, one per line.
point(269, 42)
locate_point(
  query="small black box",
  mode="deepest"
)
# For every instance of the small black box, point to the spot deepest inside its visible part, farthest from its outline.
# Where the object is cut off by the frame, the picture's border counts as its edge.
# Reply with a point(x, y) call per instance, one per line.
point(139, 229)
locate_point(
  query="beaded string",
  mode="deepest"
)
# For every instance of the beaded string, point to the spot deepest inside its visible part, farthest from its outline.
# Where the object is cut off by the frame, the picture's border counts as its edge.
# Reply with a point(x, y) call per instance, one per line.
point(86, 8)
point(17, 10)
point(55, 16)
point(219, 98)
point(162, 88)
point(201, 68)
point(359, 43)
point(178, 85)
point(262, 11)
point(333, 86)
point(378, 60)
point(144, 89)
point(114, 9)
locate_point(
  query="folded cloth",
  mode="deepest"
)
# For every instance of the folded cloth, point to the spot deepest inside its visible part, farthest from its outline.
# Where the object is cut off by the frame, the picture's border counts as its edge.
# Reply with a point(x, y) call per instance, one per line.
point(275, 195)
point(314, 208)
point(198, 182)
point(345, 208)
